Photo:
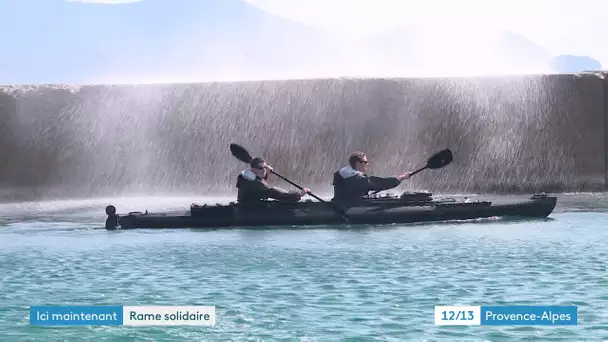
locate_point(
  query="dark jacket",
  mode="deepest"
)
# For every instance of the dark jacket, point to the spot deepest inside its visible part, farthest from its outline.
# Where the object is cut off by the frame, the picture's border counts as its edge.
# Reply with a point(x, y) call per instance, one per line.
point(253, 189)
point(351, 185)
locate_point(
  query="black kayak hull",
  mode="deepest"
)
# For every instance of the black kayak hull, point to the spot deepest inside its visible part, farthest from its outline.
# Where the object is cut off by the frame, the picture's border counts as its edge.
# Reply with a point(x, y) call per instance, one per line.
point(408, 208)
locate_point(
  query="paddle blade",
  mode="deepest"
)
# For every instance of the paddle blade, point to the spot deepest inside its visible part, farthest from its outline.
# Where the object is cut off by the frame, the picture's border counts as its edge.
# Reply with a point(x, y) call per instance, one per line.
point(240, 153)
point(440, 159)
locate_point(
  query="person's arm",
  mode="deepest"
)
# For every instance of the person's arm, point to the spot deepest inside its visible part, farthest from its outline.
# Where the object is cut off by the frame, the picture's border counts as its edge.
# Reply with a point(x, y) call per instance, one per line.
point(284, 195)
point(383, 183)
point(280, 194)
point(386, 183)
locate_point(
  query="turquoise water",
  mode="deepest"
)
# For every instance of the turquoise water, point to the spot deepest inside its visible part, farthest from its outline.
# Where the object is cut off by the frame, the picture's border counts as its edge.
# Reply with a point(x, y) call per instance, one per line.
point(365, 284)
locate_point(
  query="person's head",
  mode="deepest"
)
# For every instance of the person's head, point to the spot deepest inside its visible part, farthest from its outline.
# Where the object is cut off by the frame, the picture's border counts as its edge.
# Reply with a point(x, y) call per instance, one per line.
point(258, 166)
point(358, 161)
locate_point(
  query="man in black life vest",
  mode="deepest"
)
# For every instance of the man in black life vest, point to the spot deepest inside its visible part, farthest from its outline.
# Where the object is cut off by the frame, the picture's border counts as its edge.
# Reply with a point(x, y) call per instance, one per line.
point(351, 183)
point(253, 185)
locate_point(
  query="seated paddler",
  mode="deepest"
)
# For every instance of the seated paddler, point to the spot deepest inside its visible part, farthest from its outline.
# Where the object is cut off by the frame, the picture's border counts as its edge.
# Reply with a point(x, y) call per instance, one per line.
point(351, 183)
point(253, 185)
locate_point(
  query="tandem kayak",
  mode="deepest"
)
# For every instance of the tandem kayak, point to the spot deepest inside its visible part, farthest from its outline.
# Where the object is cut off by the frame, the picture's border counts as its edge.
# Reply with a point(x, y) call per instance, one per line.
point(410, 207)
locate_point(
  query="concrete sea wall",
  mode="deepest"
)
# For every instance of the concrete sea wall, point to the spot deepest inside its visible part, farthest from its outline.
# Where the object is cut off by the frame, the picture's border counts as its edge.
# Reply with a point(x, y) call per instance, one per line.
point(508, 134)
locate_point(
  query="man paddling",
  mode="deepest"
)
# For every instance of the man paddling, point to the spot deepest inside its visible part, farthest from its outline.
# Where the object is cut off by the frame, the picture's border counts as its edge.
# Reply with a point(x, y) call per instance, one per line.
point(351, 183)
point(253, 186)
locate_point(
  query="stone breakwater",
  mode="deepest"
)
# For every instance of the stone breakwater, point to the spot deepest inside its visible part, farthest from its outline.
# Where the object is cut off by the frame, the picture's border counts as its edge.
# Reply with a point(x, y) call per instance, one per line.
point(508, 134)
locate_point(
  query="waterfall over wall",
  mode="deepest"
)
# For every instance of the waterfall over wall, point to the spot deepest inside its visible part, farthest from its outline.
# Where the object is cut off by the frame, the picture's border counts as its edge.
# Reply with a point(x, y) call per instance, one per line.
point(508, 134)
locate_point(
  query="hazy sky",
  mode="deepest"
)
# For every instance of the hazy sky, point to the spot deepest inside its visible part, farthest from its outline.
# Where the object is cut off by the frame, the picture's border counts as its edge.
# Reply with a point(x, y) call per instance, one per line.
point(44, 43)
point(561, 26)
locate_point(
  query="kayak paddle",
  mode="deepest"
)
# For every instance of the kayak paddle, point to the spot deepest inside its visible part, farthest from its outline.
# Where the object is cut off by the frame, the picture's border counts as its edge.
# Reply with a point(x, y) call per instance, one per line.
point(240, 153)
point(437, 161)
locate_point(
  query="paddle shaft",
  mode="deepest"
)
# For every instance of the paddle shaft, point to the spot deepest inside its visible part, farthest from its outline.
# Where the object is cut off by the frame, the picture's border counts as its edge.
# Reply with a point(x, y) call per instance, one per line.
point(339, 211)
point(296, 185)
point(415, 172)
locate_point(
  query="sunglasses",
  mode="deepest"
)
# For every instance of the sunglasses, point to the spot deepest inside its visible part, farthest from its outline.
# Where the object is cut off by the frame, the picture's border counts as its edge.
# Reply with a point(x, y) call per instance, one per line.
point(363, 162)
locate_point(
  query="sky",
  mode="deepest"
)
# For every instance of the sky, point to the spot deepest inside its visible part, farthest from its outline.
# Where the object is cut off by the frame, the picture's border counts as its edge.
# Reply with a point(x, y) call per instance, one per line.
point(131, 41)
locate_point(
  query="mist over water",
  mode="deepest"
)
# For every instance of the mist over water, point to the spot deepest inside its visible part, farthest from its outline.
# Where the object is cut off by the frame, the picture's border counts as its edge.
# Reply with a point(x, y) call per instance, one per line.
point(508, 134)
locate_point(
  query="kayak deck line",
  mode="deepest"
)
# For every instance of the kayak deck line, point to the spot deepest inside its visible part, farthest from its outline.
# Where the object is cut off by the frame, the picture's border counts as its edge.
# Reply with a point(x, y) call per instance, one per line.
point(410, 207)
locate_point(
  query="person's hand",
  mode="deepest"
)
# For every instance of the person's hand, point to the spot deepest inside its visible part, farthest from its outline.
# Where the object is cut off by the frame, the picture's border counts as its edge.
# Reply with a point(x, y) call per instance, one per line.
point(404, 176)
point(305, 191)
point(269, 168)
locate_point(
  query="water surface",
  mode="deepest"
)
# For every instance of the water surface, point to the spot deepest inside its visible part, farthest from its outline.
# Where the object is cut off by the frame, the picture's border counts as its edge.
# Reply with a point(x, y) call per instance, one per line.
point(324, 284)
